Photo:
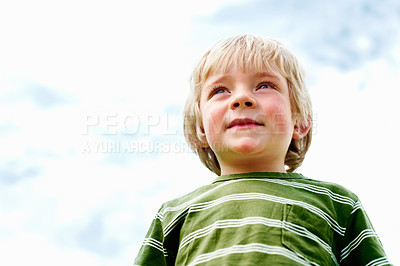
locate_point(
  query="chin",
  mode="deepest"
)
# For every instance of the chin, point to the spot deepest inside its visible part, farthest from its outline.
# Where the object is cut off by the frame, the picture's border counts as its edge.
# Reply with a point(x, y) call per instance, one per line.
point(246, 146)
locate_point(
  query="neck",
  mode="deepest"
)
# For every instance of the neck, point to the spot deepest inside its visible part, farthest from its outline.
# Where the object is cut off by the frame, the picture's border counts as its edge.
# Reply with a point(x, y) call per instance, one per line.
point(251, 166)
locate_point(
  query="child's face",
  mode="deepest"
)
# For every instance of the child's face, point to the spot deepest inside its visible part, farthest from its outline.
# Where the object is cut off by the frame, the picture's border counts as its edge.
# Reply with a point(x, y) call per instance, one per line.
point(247, 119)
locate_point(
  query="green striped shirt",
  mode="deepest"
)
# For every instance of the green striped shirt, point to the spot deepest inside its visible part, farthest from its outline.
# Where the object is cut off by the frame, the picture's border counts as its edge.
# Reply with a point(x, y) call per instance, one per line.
point(263, 219)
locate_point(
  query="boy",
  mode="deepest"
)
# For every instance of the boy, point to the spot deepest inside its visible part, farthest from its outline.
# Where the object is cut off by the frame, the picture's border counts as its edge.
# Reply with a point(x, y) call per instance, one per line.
point(249, 120)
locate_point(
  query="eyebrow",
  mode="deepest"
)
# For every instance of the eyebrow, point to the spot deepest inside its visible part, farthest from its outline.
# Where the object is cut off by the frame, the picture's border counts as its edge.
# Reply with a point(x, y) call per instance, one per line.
point(218, 80)
point(267, 75)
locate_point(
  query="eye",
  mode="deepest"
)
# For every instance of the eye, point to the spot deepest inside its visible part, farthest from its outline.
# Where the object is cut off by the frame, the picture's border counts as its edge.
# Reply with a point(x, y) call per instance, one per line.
point(266, 85)
point(218, 90)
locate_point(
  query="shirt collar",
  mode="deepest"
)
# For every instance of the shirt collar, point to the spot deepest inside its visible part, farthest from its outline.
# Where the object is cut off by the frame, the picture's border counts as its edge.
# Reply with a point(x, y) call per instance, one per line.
point(257, 175)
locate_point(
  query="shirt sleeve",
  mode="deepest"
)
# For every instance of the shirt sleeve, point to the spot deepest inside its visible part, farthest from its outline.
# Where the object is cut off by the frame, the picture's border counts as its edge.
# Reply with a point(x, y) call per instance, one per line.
point(361, 243)
point(152, 251)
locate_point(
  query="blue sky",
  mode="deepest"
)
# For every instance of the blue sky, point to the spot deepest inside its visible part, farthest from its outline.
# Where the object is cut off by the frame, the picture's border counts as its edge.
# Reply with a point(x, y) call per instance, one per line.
point(91, 99)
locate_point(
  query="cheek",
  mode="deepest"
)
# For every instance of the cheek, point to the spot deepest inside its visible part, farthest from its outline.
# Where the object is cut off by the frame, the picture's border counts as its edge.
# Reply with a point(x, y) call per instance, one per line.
point(277, 107)
point(210, 117)
point(279, 116)
point(213, 123)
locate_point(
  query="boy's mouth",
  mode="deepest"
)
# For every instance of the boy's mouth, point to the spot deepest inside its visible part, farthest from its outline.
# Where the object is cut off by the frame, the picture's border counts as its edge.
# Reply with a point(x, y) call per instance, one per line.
point(244, 123)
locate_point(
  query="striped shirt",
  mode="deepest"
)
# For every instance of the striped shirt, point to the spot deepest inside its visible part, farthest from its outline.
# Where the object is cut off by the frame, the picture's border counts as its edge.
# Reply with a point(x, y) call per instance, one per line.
point(263, 219)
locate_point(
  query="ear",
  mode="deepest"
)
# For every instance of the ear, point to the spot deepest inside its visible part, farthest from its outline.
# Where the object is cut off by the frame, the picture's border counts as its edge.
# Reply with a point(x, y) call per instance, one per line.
point(300, 131)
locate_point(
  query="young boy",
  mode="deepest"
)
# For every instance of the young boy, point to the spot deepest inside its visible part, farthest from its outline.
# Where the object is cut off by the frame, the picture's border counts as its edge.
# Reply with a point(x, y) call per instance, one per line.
point(249, 120)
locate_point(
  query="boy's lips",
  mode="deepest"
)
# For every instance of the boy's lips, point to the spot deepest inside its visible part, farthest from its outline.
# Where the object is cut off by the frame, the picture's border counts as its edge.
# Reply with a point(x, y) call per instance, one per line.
point(244, 122)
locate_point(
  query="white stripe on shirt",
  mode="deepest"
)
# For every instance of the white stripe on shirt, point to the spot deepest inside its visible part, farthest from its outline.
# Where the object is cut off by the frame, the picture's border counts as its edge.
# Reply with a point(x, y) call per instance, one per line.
point(255, 247)
point(250, 196)
point(379, 262)
point(356, 242)
point(313, 188)
point(229, 223)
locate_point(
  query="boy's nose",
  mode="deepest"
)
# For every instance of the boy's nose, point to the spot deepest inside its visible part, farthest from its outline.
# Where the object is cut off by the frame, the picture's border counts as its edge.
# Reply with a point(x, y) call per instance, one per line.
point(243, 101)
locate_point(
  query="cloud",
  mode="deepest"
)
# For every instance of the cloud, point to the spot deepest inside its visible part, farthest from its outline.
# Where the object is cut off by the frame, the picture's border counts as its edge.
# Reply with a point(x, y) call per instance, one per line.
point(344, 34)
point(19, 90)
point(46, 97)
point(14, 171)
point(92, 237)
point(7, 127)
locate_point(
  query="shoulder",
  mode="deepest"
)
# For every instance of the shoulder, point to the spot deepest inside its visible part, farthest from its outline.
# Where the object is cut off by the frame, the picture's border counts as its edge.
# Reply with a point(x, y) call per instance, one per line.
point(332, 198)
point(330, 187)
point(173, 212)
point(187, 198)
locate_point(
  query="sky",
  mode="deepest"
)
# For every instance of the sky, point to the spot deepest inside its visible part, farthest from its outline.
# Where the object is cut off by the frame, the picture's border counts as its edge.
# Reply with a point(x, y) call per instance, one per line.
point(91, 101)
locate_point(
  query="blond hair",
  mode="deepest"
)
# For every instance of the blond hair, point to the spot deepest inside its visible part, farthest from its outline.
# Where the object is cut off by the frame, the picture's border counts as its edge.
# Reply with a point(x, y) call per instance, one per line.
point(250, 53)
